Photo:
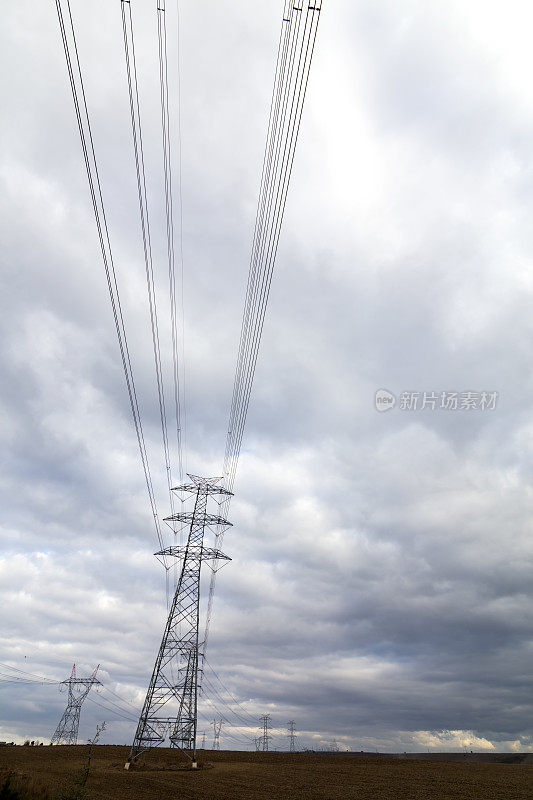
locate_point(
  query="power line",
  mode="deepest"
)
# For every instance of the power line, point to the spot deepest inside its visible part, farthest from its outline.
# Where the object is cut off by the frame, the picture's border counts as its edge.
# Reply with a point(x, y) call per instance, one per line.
point(169, 214)
point(292, 72)
point(122, 699)
point(230, 709)
point(28, 682)
point(274, 108)
point(136, 127)
point(268, 184)
point(70, 47)
point(38, 678)
point(236, 734)
point(229, 733)
point(41, 680)
point(116, 705)
point(111, 710)
point(180, 187)
point(251, 717)
point(290, 92)
point(295, 52)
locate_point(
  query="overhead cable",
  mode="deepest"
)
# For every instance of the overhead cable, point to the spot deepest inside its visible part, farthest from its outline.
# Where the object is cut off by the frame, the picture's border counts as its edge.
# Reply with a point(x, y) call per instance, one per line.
point(136, 127)
point(70, 47)
point(295, 52)
point(169, 214)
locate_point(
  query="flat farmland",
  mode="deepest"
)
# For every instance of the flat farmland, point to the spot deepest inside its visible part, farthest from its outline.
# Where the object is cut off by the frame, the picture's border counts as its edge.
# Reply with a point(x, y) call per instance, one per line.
point(48, 772)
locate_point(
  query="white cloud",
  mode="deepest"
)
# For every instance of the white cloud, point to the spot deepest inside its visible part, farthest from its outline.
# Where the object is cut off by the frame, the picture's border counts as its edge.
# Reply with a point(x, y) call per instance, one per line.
point(451, 740)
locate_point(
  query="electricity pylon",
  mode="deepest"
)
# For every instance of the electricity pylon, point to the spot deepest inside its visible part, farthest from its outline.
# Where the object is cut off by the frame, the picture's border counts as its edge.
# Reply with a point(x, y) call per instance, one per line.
point(78, 689)
point(171, 704)
point(265, 719)
point(217, 726)
point(291, 736)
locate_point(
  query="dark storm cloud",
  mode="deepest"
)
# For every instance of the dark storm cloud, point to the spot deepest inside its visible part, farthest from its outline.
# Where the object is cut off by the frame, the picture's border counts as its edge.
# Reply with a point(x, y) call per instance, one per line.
point(380, 591)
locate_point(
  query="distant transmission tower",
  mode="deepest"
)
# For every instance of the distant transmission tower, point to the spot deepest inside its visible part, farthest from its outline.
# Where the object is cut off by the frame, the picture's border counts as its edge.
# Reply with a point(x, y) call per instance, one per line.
point(171, 704)
point(203, 740)
point(78, 689)
point(291, 736)
point(217, 726)
point(265, 719)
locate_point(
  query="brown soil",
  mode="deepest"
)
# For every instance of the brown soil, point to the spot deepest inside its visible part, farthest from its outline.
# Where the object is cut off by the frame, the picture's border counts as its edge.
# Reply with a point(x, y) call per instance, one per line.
point(267, 776)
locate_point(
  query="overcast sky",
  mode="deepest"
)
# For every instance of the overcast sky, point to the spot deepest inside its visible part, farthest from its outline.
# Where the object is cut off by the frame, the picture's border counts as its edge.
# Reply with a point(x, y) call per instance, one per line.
point(380, 588)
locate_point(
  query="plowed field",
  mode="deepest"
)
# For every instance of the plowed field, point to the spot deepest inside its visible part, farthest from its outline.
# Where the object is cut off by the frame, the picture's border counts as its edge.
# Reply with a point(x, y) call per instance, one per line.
point(266, 776)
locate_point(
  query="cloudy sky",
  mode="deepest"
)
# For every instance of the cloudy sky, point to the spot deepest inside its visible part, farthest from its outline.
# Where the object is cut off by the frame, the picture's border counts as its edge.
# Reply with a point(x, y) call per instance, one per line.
point(380, 588)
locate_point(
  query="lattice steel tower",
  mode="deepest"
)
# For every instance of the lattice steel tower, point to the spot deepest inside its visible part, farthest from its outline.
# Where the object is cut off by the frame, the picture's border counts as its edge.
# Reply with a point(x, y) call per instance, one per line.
point(170, 707)
point(291, 736)
point(78, 689)
point(217, 727)
point(265, 719)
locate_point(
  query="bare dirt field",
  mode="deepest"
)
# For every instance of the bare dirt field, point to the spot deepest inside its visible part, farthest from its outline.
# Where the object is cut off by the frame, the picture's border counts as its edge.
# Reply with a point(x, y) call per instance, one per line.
point(48, 772)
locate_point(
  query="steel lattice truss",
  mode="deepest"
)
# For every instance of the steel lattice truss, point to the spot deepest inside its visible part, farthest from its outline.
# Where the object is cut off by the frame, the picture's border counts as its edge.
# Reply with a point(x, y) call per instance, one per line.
point(174, 679)
point(78, 689)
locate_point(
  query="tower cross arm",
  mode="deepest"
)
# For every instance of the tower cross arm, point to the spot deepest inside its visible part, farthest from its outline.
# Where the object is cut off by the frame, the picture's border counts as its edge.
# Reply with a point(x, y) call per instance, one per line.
point(206, 519)
point(205, 553)
point(206, 486)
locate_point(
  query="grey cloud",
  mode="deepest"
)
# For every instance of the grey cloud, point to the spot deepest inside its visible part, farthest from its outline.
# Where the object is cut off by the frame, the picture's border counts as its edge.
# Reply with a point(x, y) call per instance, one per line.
point(380, 587)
